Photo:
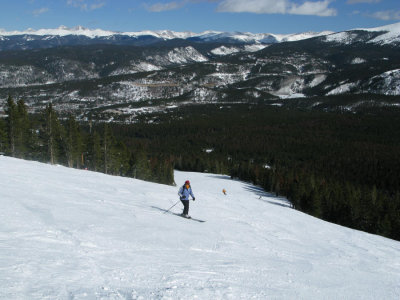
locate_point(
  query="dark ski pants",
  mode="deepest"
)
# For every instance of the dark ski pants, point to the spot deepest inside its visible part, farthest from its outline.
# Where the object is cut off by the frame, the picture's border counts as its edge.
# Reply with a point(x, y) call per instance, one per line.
point(185, 206)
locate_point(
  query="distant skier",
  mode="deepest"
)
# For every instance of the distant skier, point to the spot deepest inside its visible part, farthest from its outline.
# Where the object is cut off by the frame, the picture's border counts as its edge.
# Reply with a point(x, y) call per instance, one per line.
point(184, 192)
point(224, 191)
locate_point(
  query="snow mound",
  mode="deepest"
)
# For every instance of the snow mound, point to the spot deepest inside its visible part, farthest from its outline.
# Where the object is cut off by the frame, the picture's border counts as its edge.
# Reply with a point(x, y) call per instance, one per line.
point(75, 234)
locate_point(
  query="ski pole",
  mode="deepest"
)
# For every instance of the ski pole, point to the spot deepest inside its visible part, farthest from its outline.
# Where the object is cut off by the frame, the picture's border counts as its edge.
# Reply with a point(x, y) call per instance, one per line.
point(171, 207)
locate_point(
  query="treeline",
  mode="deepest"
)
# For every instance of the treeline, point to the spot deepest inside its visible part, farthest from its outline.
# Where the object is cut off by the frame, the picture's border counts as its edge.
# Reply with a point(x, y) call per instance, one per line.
point(340, 167)
point(47, 138)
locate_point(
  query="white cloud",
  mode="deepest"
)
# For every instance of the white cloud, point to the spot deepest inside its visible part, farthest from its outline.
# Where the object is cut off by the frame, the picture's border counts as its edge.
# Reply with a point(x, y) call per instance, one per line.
point(388, 15)
point(253, 6)
point(362, 1)
point(40, 11)
point(160, 7)
point(97, 6)
point(317, 8)
point(83, 5)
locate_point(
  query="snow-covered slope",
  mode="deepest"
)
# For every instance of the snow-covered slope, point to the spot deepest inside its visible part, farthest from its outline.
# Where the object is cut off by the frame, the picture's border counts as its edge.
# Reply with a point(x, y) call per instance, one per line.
point(75, 234)
point(389, 34)
point(300, 36)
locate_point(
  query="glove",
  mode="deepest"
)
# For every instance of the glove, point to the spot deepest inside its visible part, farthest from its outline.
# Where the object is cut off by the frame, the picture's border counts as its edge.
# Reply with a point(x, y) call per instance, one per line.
point(194, 199)
point(182, 198)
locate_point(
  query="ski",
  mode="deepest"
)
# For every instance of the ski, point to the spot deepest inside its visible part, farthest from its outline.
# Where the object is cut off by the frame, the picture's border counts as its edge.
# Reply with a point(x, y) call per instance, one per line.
point(189, 218)
point(176, 214)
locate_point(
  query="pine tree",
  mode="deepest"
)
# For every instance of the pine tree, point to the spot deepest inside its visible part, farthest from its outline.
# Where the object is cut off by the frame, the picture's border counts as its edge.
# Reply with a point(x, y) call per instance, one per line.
point(73, 143)
point(107, 148)
point(94, 156)
point(22, 131)
point(11, 111)
point(120, 159)
point(53, 134)
point(141, 166)
point(3, 137)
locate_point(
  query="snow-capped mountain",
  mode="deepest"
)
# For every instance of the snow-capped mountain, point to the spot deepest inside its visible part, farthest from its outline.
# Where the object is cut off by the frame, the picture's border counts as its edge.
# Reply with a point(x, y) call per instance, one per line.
point(86, 75)
point(60, 31)
point(68, 233)
point(43, 38)
point(246, 37)
point(384, 35)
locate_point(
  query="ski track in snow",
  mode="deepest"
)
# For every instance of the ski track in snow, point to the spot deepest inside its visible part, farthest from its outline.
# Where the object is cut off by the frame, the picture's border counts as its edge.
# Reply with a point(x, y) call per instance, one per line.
point(75, 234)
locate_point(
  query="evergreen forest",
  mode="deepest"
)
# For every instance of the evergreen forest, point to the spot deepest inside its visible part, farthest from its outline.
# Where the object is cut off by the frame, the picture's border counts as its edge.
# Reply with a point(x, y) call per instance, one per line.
point(338, 166)
point(48, 138)
point(342, 167)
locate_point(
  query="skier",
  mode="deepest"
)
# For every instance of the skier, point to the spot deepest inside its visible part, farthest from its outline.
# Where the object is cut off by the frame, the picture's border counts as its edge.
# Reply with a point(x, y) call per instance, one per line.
point(184, 192)
point(224, 191)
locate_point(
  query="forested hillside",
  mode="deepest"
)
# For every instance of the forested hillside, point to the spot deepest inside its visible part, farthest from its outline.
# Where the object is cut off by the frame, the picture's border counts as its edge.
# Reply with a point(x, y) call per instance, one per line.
point(341, 167)
point(47, 138)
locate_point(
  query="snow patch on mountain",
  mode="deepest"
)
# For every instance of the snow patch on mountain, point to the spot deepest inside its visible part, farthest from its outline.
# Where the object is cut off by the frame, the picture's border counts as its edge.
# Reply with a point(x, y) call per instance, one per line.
point(225, 50)
point(345, 37)
point(12, 76)
point(343, 88)
point(162, 34)
point(357, 61)
point(134, 68)
point(387, 83)
point(318, 79)
point(204, 94)
point(300, 36)
point(254, 47)
point(368, 103)
point(185, 55)
point(391, 35)
point(290, 87)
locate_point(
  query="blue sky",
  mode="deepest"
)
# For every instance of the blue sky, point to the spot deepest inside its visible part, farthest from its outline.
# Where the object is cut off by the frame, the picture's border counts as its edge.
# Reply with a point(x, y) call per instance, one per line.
point(257, 16)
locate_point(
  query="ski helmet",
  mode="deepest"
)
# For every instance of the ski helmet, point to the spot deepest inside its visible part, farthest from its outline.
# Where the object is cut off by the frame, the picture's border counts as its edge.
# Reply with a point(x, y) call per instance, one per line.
point(187, 182)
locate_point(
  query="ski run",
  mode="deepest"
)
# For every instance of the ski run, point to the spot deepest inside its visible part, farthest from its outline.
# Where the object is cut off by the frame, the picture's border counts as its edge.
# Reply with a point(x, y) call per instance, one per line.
point(76, 234)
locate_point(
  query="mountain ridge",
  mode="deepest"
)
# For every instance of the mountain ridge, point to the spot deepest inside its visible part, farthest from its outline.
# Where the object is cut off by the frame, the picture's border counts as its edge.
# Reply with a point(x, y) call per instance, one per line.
point(88, 74)
point(246, 37)
point(162, 34)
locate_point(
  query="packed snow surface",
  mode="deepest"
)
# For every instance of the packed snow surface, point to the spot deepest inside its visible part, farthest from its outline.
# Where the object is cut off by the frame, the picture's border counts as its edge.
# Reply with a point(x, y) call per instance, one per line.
point(75, 234)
